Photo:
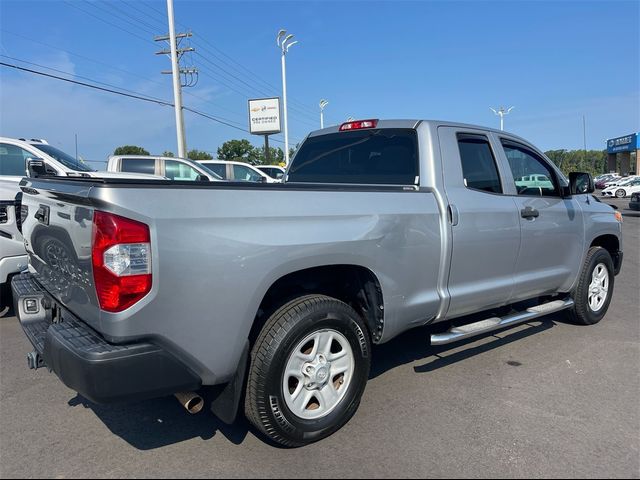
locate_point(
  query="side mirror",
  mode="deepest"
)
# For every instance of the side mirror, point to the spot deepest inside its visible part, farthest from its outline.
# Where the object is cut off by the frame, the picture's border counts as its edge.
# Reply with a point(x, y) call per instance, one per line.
point(263, 180)
point(36, 167)
point(580, 183)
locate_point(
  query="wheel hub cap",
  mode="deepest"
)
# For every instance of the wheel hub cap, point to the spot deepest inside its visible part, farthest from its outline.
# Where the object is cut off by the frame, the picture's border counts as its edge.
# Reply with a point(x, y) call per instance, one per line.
point(318, 374)
point(599, 287)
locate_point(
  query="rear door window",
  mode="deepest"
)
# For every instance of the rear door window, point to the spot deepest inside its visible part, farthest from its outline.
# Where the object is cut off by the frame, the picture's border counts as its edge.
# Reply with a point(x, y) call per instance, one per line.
point(219, 169)
point(479, 167)
point(245, 174)
point(180, 171)
point(138, 165)
point(387, 156)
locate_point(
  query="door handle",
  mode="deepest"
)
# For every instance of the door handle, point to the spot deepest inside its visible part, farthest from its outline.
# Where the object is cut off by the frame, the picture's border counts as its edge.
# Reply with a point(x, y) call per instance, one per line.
point(529, 213)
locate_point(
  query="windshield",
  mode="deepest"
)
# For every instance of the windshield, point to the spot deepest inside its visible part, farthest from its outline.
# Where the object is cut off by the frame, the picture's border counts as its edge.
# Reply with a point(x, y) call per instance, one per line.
point(65, 159)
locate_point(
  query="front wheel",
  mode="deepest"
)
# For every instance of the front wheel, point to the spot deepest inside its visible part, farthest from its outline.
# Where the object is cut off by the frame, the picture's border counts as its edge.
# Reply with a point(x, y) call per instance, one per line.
point(593, 294)
point(309, 368)
point(620, 193)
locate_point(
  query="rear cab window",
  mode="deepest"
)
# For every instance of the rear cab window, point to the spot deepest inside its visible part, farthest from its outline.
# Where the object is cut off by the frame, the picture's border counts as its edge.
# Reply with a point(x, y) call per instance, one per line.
point(383, 156)
point(138, 165)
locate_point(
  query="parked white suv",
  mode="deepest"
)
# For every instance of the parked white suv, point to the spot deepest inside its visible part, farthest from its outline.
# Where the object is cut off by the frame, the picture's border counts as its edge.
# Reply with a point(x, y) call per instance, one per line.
point(169, 167)
point(237, 171)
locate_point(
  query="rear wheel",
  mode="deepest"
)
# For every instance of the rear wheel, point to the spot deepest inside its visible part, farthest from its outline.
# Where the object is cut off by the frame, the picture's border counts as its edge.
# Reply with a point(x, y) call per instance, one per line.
point(595, 288)
point(309, 368)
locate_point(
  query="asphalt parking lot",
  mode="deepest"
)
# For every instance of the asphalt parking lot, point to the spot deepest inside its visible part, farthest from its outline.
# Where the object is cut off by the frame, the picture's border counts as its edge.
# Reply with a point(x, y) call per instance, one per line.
point(546, 399)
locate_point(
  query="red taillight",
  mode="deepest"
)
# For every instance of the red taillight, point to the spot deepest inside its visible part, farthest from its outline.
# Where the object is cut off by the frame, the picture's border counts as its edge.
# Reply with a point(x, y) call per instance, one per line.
point(358, 125)
point(121, 257)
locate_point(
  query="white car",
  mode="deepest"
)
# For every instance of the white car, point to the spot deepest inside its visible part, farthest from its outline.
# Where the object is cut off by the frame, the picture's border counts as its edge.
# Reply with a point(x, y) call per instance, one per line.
point(237, 171)
point(623, 189)
point(274, 171)
point(618, 181)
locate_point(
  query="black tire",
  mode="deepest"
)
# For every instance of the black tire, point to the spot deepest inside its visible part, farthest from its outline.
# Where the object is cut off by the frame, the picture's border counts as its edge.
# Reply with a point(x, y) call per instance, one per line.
point(265, 405)
point(582, 313)
point(620, 193)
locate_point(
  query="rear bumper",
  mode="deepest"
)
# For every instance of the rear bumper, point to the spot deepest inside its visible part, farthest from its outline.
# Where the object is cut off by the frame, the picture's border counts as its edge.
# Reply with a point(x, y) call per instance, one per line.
point(98, 370)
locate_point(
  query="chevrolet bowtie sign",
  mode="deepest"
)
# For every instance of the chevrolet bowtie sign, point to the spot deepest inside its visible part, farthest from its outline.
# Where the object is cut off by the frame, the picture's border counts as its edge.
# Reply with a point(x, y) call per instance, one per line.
point(264, 116)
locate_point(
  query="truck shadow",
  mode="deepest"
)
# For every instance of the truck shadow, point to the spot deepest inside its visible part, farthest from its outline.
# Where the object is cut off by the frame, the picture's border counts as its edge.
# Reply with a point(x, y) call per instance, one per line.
point(160, 422)
point(156, 423)
point(414, 345)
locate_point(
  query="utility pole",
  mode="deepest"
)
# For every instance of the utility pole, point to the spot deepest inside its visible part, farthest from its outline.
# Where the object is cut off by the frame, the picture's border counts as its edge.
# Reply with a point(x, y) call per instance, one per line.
point(501, 112)
point(189, 73)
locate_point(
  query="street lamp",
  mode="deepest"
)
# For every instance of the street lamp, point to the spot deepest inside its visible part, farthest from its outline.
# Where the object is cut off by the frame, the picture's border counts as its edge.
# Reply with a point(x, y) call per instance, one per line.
point(284, 42)
point(501, 112)
point(323, 103)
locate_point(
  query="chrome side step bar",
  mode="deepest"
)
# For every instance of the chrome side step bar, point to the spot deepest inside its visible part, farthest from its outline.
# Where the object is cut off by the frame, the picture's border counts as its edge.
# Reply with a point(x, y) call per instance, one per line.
point(455, 334)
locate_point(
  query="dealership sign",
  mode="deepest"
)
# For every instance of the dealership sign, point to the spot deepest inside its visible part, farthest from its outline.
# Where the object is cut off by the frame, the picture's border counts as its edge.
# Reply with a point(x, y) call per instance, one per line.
point(628, 143)
point(264, 116)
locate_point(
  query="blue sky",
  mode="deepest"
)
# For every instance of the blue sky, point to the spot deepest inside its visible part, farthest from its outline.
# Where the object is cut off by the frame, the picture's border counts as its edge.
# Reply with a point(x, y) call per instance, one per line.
point(553, 61)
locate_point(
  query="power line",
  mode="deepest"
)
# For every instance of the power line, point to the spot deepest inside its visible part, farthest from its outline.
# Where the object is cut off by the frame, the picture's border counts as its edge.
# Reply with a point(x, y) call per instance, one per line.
point(300, 112)
point(246, 70)
point(245, 95)
point(124, 94)
point(96, 87)
point(203, 99)
point(74, 75)
point(107, 21)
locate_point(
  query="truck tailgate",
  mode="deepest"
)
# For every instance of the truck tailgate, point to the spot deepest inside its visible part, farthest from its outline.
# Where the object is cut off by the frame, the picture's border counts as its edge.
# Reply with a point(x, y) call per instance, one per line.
point(57, 230)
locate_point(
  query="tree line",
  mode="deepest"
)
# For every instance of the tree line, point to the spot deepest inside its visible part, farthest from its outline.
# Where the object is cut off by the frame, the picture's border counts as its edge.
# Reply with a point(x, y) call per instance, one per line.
point(232, 150)
point(591, 161)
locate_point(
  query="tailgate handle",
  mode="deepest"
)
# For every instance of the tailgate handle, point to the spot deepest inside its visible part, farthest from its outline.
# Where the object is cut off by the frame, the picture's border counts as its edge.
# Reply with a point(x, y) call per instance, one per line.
point(42, 215)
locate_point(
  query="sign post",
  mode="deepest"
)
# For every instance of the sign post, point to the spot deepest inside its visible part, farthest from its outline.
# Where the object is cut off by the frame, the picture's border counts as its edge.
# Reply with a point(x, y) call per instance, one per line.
point(264, 119)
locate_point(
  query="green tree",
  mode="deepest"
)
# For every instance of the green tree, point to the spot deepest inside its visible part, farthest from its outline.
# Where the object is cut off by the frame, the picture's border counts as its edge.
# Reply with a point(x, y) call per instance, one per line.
point(167, 153)
point(591, 161)
point(276, 156)
point(199, 155)
point(237, 151)
point(130, 150)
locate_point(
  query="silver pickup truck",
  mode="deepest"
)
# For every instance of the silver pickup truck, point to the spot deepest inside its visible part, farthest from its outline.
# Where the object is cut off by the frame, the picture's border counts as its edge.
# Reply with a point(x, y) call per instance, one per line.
point(276, 292)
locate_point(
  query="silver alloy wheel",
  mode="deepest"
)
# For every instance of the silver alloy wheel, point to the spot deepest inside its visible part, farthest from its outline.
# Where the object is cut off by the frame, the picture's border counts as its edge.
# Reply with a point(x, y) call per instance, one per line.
point(620, 193)
point(599, 287)
point(318, 374)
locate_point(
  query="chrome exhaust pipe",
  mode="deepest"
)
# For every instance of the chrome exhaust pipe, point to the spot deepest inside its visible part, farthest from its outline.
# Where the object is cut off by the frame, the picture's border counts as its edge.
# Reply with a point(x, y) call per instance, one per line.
point(192, 402)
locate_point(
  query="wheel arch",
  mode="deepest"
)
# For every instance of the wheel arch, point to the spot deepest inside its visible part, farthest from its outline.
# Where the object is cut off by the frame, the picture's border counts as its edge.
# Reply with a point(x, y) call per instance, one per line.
point(611, 243)
point(353, 284)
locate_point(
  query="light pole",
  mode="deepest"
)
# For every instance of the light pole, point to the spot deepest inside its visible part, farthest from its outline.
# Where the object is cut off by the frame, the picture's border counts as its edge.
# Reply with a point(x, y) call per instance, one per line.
point(323, 103)
point(501, 112)
point(284, 42)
